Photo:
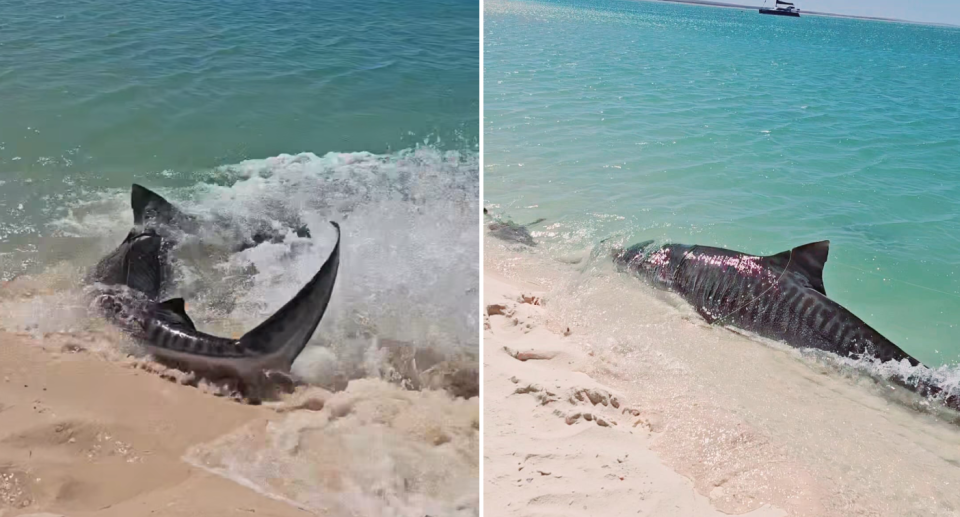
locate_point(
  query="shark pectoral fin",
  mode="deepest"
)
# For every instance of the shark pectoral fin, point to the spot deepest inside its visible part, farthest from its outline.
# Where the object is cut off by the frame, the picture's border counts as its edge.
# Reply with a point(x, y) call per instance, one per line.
point(142, 269)
point(175, 310)
point(706, 315)
point(288, 330)
point(807, 261)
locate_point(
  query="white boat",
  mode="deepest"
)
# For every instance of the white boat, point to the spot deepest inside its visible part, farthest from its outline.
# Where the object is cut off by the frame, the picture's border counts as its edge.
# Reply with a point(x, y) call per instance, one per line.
point(781, 9)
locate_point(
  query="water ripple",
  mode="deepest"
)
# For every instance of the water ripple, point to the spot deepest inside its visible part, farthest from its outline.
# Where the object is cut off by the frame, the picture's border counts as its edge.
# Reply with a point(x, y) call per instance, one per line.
point(767, 133)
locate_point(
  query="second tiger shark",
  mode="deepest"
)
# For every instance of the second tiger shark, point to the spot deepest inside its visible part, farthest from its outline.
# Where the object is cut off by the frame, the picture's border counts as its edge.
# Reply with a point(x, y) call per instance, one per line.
point(780, 297)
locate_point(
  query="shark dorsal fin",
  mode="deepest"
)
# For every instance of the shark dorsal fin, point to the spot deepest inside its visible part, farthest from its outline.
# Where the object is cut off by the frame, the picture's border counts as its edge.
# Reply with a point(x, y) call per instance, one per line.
point(178, 308)
point(807, 261)
point(148, 204)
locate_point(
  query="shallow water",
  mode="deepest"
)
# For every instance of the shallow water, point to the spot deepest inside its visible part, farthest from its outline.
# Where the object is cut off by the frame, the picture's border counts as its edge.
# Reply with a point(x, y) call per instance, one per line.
point(751, 422)
point(99, 94)
point(623, 121)
point(646, 120)
point(248, 114)
point(373, 450)
point(397, 212)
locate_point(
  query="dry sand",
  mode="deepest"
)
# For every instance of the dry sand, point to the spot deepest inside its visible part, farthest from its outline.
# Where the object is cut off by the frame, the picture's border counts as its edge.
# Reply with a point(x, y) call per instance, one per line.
point(557, 442)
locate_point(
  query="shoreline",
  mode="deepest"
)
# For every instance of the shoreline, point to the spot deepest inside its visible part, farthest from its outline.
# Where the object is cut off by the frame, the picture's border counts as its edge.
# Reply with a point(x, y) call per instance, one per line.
point(84, 436)
point(752, 425)
point(559, 439)
point(86, 430)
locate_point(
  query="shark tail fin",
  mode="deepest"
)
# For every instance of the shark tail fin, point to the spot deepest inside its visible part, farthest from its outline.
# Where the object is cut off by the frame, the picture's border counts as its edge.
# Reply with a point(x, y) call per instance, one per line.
point(147, 204)
point(289, 329)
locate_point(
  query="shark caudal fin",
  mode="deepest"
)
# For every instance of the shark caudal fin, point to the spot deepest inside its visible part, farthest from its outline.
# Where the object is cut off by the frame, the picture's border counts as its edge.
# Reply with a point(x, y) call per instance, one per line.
point(805, 262)
point(290, 328)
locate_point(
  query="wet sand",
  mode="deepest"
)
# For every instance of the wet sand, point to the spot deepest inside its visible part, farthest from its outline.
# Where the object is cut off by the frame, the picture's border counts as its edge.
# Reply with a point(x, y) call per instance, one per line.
point(83, 436)
point(557, 440)
point(85, 431)
point(712, 419)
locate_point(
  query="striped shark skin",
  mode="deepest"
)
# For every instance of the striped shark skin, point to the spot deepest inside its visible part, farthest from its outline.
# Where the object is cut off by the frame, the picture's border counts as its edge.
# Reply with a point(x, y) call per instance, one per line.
point(130, 279)
point(780, 297)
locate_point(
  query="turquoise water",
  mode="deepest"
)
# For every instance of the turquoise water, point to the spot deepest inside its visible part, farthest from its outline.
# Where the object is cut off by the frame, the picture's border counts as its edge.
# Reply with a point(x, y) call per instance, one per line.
point(250, 114)
point(97, 94)
point(642, 120)
point(246, 112)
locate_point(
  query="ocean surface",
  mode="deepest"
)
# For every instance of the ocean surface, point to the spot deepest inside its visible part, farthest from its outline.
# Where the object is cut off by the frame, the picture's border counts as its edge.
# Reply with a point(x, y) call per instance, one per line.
point(622, 121)
point(246, 114)
point(97, 94)
point(637, 120)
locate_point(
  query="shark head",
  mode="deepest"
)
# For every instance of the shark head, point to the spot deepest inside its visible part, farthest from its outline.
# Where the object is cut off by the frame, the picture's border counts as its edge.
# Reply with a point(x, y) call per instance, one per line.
point(138, 263)
point(656, 266)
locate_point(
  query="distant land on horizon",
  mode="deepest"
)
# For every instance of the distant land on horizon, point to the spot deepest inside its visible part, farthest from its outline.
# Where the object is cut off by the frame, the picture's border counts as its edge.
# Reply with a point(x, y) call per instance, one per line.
point(802, 12)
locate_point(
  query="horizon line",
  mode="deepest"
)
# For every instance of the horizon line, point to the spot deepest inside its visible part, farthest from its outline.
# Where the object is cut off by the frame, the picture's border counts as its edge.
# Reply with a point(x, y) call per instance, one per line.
point(713, 3)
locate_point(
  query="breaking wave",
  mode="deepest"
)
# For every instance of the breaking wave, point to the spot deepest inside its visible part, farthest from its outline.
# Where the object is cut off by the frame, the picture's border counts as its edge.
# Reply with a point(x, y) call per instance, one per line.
point(406, 299)
point(372, 450)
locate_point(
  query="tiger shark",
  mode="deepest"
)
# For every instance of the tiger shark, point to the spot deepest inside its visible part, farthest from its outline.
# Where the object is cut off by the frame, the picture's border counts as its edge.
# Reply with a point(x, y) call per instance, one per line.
point(780, 297)
point(127, 287)
point(511, 231)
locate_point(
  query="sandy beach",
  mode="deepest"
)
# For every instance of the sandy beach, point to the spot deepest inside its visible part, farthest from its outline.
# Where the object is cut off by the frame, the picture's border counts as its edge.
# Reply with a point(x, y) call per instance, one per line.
point(83, 434)
point(558, 441)
point(596, 385)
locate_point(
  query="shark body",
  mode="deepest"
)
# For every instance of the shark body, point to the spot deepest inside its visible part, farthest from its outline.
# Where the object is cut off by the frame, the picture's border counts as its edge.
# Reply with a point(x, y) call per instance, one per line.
point(128, 283)
point(781, 297)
